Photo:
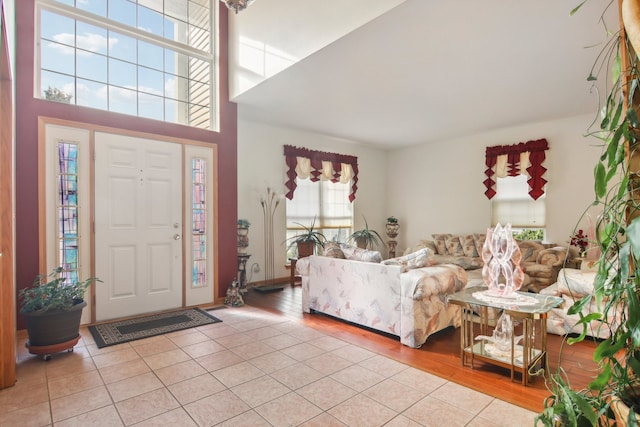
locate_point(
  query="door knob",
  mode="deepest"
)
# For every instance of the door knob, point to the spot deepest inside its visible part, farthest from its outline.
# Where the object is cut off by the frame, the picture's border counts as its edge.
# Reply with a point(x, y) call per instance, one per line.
point(176, 237)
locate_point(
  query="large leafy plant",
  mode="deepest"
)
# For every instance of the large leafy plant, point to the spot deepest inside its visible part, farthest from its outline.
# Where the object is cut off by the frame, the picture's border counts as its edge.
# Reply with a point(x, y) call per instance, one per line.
point(308, 234)
point(617, 281)
point(53, 292)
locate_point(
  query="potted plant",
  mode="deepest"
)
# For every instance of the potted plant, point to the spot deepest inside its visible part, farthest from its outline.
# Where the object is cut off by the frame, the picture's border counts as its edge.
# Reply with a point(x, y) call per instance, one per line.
point(243, 234)
point(617, 234)
point(52, 308)
point(392, 227)
point(366, 238)
point(308, 240)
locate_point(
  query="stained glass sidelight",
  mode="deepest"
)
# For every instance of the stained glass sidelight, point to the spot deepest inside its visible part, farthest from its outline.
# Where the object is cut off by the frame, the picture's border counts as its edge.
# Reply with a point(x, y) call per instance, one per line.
point(199, 222)
point(67, 210)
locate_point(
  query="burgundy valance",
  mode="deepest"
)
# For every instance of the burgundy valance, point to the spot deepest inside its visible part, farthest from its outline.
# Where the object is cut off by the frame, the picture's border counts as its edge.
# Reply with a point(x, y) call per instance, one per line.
point(509, 160)
point(317, 165)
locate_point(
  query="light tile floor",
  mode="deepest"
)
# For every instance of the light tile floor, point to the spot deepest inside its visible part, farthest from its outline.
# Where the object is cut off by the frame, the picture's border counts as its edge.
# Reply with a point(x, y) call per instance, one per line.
point(253, 369)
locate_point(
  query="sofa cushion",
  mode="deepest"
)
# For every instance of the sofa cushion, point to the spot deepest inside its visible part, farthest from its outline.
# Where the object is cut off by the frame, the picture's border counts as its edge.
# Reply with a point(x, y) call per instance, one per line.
point(479, 241)
point(529, 250)
point(359, 254)
point(468, 245)
point(333, 250)
point(413, 260)
point(466, 262)
point(454, 247)
point(441, 245)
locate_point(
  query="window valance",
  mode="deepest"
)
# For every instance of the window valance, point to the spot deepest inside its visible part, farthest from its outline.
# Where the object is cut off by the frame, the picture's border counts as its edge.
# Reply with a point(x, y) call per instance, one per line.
point(512, 160)
point(316, 165)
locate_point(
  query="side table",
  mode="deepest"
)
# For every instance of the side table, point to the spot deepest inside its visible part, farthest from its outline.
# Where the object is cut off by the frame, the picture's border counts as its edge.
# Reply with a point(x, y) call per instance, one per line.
point(294, 277)
point(532, 315)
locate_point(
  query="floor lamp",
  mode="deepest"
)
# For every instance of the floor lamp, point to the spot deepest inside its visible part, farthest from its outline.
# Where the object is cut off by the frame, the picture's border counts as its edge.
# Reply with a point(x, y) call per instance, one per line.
point(269, 205)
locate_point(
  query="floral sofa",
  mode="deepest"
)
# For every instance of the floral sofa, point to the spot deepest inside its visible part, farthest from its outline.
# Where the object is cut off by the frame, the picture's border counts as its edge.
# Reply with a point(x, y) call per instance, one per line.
point(401, 297)
point(540, 262)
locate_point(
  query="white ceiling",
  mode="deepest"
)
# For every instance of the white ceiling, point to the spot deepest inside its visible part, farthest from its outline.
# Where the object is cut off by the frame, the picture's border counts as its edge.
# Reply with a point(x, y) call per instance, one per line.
point(429, 71)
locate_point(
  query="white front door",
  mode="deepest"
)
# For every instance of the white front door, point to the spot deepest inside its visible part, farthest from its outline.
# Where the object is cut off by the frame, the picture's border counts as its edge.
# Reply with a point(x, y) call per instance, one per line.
point(138, 225)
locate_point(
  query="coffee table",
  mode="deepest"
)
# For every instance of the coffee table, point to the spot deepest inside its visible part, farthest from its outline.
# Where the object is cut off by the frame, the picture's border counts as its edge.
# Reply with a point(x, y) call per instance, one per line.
point(527, 308)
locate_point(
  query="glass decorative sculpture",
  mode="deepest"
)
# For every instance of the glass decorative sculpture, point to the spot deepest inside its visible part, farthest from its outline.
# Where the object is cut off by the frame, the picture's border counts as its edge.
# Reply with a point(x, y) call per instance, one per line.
point(501, 255)
point(502, 337)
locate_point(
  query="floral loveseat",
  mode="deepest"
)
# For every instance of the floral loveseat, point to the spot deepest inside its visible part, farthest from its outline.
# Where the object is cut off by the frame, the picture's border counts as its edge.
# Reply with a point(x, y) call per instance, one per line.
point(399, 297)
point(572, 285)
point(540, 263)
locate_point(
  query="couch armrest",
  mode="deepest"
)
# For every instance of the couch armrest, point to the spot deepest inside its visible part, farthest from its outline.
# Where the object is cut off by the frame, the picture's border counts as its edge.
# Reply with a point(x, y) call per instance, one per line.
point(553, 257)
point(302, 266)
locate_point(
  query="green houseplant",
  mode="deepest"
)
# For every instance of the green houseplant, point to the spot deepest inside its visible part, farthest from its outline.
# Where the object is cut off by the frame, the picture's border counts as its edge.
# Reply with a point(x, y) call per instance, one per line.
point(308, 240)
point(52, 308)
point(617, 283)
point(366, 238)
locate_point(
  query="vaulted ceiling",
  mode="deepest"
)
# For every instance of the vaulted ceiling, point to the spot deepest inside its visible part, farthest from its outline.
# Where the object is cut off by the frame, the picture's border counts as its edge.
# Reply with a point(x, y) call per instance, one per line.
point(427, 71)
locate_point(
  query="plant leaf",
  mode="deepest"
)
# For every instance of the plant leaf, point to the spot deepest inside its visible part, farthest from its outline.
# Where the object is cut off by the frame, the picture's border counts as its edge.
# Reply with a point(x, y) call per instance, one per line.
point(600, 181)
point(575, 9)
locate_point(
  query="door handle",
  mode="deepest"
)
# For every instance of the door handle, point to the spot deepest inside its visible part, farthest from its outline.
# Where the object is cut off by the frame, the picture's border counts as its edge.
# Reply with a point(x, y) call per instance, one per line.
point(177, 237)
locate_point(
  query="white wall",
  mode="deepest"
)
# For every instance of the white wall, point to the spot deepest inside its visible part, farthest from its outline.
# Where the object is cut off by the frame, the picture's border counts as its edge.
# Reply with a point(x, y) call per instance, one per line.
point(437, 188)
point(261, 165)
point(430, 188)
point(270, 36)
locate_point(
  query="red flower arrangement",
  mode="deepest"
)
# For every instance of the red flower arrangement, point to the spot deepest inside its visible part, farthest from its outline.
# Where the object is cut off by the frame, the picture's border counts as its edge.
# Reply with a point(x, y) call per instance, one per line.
point(580, 241)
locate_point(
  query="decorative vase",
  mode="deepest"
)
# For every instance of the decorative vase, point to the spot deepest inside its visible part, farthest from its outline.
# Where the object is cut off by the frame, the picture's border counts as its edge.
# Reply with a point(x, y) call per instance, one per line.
point(392, 229)
point(501, 255)
point(243, 239)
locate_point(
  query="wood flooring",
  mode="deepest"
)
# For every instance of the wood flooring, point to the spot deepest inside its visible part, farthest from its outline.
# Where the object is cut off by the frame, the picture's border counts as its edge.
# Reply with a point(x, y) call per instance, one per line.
point(440, 355)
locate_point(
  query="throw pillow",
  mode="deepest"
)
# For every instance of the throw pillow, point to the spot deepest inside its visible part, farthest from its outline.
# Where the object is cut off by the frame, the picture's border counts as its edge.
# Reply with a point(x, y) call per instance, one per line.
point(418, 259)
point(439, 240)
point(429, 244)
point(332, 250)
point(468, 245)
point(454, 247)
point(359, 254)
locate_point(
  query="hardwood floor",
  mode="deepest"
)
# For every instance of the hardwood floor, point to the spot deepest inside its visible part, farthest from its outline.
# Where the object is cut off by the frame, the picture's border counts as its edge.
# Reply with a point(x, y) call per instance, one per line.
point(440, 355)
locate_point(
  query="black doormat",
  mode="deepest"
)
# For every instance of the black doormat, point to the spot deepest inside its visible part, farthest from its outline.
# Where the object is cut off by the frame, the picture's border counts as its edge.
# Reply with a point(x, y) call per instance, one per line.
point(122, 331)
point(268, 288)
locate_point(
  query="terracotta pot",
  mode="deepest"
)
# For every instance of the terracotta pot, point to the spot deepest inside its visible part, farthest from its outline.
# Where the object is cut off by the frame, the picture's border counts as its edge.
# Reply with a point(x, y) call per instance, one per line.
point(621, 411)
point(305, 249)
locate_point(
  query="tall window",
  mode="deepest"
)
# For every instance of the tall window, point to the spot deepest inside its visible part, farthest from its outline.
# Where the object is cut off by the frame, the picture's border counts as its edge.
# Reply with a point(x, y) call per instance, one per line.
point(199, 221)
point(325, 202)
point(512, 204)
point(67, 211)
point(145, 58)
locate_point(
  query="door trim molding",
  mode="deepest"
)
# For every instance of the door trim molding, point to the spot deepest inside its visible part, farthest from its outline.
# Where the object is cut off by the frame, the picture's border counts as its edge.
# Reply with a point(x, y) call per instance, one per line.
point(43, 121)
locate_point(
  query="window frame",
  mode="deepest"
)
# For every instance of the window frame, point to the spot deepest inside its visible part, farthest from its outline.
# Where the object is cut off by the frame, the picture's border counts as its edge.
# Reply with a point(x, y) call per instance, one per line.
point(320, 220)
point(211, 57)
point(523, 198)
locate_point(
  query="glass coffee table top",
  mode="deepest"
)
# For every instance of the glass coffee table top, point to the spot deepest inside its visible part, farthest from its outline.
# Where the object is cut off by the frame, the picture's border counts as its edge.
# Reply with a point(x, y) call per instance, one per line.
point(522, 302)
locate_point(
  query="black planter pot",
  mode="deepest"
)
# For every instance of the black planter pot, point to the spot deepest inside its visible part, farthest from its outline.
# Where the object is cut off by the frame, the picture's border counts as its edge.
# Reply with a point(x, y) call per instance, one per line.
point(51, 328)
